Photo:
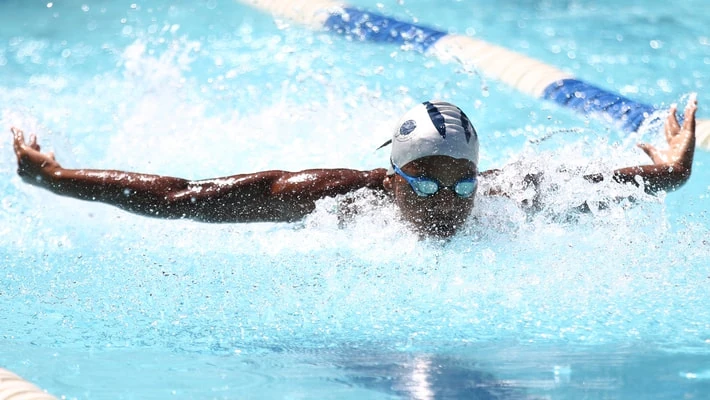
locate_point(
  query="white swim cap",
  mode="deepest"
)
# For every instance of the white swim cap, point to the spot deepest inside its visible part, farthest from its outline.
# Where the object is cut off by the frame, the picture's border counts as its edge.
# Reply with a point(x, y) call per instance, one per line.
point(433, 128)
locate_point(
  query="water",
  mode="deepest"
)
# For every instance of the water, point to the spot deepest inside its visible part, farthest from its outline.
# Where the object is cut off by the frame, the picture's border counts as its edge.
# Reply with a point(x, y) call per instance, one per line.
point(98, 303)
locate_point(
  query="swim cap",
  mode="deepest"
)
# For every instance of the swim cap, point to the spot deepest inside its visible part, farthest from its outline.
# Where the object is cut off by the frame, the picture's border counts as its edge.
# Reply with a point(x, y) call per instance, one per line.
point(433, 128)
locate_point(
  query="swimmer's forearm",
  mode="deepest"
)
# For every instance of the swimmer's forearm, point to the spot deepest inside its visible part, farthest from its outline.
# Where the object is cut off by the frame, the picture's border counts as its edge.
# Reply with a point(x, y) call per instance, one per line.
point(654, 178)
point(139, 193)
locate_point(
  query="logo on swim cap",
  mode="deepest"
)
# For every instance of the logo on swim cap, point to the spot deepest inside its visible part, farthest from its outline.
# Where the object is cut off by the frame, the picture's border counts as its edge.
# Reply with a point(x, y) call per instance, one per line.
point(407, 127)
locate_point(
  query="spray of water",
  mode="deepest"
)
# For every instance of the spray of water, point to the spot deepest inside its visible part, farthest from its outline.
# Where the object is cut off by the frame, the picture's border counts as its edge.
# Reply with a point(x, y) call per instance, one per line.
point(613, 273)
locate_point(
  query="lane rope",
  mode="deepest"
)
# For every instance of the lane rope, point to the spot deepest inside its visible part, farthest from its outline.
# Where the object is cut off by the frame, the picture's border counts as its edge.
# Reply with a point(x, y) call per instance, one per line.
point(518, 71)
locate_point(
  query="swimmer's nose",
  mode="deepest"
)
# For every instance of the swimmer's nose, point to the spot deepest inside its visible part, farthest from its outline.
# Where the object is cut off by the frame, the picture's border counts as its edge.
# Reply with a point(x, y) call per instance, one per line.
point(446, 202)
point(446, 195)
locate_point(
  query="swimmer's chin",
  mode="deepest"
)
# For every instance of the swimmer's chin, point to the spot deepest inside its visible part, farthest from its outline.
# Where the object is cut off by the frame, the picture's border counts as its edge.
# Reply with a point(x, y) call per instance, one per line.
point(439, 231)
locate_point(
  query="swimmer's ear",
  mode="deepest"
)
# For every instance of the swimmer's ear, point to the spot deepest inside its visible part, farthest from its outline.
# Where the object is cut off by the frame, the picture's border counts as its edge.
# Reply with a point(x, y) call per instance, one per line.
point(387, 183)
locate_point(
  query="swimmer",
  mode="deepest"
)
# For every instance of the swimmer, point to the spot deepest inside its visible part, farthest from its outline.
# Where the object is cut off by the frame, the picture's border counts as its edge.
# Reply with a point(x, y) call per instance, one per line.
point(433, 177)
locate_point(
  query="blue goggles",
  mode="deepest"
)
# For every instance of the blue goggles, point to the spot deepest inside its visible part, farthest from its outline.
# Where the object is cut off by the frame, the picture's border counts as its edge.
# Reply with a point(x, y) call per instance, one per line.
point(425, 187)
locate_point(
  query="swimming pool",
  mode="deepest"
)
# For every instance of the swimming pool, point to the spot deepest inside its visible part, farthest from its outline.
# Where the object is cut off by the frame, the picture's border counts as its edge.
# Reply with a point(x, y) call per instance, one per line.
point(98, 303)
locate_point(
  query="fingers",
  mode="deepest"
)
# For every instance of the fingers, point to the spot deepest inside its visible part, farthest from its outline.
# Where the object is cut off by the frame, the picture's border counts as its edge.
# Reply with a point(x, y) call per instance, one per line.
point(652, 152)
point(17, 135)
point(690, 109)
point(672, 127)
point(19, 141)
point(33, 142)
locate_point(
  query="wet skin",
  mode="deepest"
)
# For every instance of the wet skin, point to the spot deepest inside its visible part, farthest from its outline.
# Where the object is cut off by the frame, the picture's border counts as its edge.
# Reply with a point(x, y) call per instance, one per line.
point(443, 213)
point(281, 196)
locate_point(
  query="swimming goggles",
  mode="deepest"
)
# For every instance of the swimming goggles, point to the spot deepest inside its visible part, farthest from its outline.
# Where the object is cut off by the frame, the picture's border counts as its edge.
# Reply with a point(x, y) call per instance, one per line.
point(425, 187)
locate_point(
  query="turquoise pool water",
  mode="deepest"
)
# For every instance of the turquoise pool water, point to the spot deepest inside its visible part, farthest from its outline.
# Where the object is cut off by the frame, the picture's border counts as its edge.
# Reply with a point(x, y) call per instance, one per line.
point(96, 303)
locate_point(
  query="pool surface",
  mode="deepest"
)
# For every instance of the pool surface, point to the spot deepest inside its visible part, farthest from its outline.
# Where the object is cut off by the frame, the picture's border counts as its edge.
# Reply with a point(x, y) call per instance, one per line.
point(97, 303)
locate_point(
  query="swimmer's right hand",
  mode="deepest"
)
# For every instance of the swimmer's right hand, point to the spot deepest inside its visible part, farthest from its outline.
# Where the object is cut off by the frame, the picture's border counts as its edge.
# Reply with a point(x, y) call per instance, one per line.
point(32, 165)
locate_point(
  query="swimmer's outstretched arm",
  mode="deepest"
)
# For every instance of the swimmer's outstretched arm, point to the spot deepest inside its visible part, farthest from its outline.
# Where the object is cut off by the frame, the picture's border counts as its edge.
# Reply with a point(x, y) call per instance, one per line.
point(263, 196)
point(671, 168)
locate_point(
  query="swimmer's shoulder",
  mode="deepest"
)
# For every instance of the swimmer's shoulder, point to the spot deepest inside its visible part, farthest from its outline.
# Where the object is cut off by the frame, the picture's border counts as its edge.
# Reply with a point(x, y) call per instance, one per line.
point(360, 202)
point(514, 181)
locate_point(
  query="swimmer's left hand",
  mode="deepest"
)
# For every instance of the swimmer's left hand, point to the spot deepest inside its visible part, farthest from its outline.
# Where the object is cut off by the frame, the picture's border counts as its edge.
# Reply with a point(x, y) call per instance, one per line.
point(681, 140)
point(671, 167)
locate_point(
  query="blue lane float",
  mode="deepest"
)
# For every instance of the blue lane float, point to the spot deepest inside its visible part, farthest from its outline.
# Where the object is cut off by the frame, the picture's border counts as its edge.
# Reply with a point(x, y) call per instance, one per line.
point(589, 100)
point(366, 26)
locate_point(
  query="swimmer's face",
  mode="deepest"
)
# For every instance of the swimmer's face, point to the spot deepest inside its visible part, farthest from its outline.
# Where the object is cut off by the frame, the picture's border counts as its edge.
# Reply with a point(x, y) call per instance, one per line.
point(443, 213)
